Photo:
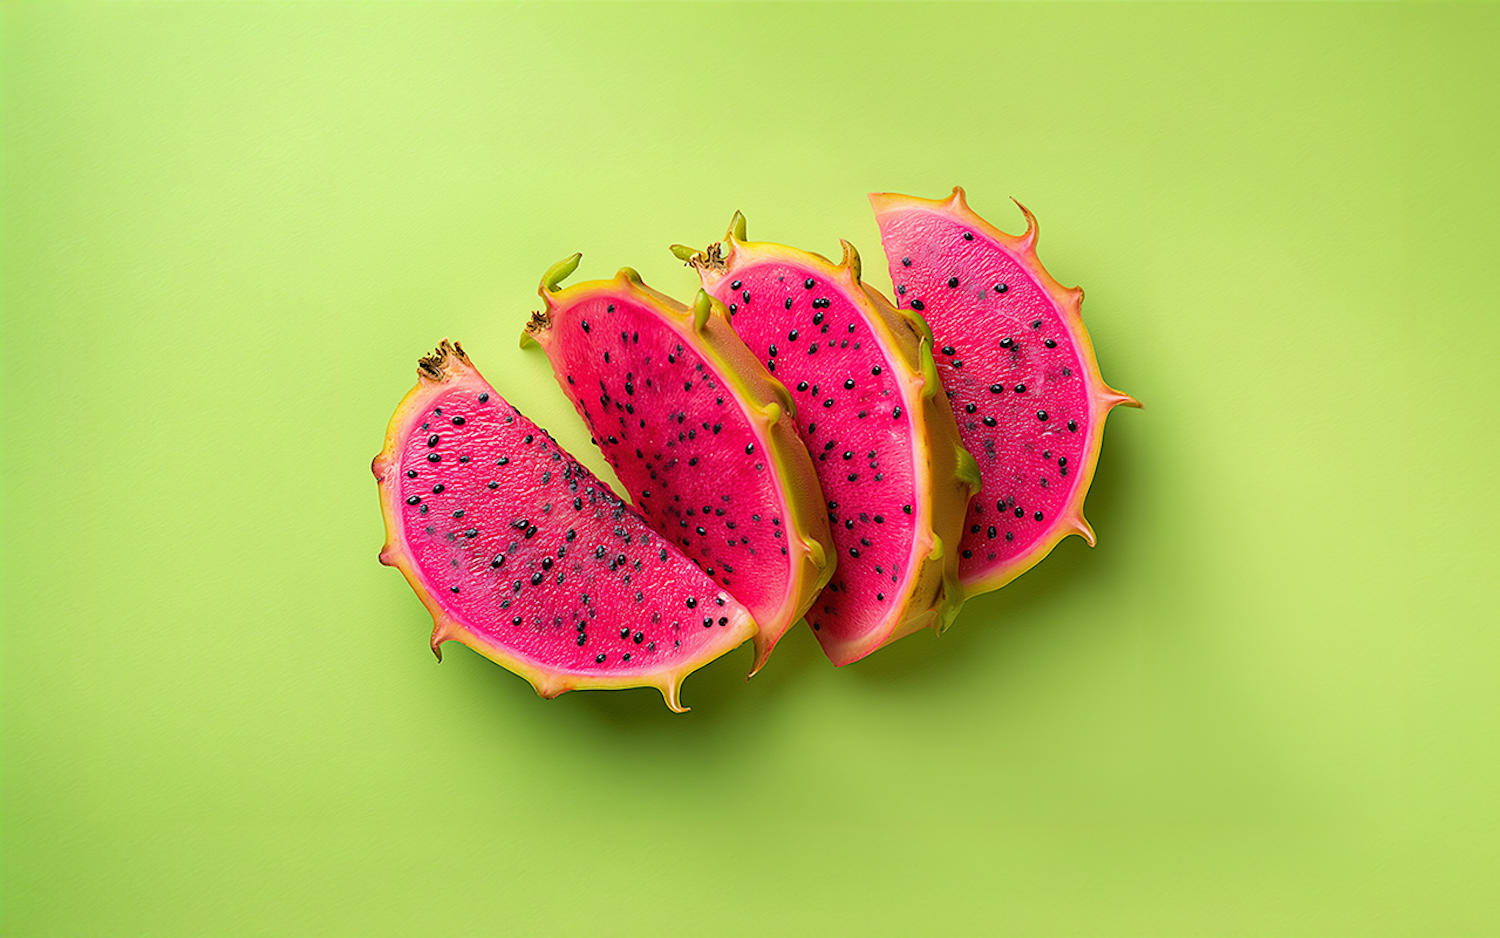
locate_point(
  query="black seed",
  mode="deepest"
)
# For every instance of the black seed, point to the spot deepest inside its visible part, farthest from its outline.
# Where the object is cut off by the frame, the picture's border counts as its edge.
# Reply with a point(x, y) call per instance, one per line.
point(503, 461)
point(773, 351)
point(901, 289)
point(853, 477)
point(1062, 460)
point(947, 350)
point(414, 500)
point(875, 370)
point(967, 555)
point(968, 236)
point(1041, 415)
point(458, 421)
point(585, 325)
point(1072, 426)
point(1001, 288)
point(905, 262)
point(434, 457)
point(432, 440)
point(952, 282)
point(735, 285)
point(828, 403)
point(802, 385)
point(459, 513)
point(527, 438)
point(817, 319)
point(788, 303)
point(599, 659)
point(746, 296)
point(749, 448)
point(453, 588)
point(1020, 389)
point(918, 305)
point(812, 349)
point(499, 561)
point(854, 552)
point(906, 508)
point(1037, 516)
point(411, 473)
point(1010, 535)
point(880, 519)
point(989, 421)
point(896, 411)
point(1020, 513)
point(1050, 343)
point(536, 578)
point(809, 283)
point(692, 602)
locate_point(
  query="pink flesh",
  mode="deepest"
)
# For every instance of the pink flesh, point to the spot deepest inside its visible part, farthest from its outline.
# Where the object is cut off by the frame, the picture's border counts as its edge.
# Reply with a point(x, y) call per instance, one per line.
point(870, 497)
point(1028, 465)
point(578, 537)
point(680, 442)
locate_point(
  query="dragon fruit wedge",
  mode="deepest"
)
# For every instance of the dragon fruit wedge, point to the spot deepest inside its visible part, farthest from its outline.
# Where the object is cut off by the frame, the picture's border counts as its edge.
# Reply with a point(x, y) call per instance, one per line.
point(884, 444)
point(698, 433)
point(519, 552)
point(1019, 371)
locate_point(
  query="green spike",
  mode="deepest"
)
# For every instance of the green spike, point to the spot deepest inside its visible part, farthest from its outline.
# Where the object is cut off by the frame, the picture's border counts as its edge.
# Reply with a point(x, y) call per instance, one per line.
point(557, 273)
point(682, 252)
point(931, 384)
point(967, 470)
point(737, 227)
point(851, 260)
point(703, 304)
point(629, 273)
point(815, 552)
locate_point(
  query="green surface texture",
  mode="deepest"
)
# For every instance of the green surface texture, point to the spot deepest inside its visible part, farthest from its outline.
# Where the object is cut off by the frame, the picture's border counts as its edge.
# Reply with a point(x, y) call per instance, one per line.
point(1268, 703)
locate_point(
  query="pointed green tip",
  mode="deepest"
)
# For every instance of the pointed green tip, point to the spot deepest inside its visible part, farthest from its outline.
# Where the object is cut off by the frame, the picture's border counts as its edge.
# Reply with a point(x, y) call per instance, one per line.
point(527, 341)
point(931, 383)
point(967, 470)
point(630, 274)
point(557, 273)
point(703, 304)
point(682, 252)
point(851, 260)
point(737, 227)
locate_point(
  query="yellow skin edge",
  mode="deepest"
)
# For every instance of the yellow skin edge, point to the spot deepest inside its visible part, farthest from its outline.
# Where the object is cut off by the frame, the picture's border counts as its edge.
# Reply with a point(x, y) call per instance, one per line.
point(765, 402)
point(934, 596)
point(1102, 397)
point(454, 370)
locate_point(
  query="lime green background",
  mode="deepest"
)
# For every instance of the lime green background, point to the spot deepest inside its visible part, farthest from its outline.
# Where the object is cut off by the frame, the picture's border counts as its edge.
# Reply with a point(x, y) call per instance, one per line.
point(1265, 704)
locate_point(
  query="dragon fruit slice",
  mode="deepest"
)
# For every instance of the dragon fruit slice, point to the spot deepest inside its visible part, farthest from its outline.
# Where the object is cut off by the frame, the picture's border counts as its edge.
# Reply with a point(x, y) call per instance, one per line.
point(519, 552)
point(697, 432)
point(1019, 371)
point(886, 450)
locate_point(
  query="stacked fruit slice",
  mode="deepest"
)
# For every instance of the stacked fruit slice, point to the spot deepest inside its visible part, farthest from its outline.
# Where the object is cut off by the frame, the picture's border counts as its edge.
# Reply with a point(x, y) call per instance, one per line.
point(784, 442)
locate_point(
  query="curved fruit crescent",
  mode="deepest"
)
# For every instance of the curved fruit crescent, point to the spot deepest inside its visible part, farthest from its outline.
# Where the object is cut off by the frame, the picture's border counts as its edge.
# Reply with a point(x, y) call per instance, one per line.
point(478, 501)
point(689, 418)
point(888, 403)
point(1005, 327)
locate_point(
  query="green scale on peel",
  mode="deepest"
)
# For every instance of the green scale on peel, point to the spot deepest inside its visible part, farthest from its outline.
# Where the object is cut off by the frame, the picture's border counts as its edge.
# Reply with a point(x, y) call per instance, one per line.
point(699, 434)
point(870, 413)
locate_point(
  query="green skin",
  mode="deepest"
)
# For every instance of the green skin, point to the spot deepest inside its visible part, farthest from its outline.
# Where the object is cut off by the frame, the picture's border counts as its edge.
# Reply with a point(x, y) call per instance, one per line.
point(705, 328)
